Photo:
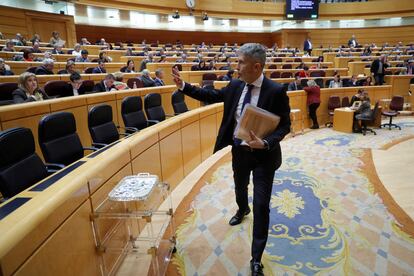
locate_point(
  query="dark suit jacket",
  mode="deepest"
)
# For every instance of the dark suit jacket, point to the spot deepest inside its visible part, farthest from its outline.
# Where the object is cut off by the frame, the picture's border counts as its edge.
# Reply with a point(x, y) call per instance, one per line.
point(100, 87)
point(350, 42)
point(57, 52)
point(19, 96)
point(41, 70)
point(273, 98)
point(98, 70)
point(306, 46)
point(159, 82)
point(147, 82)
point(375, 66)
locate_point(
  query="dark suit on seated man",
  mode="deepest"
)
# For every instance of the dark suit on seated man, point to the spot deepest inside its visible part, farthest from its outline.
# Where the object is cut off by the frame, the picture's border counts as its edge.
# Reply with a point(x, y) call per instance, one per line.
point(146, 79)
point(262, 156)
point(46, 68)
point(105, 85)
point(100, 69)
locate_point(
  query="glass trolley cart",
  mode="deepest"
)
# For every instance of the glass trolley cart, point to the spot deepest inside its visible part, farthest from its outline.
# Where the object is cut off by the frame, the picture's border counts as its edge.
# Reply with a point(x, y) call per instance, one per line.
point(136, 219)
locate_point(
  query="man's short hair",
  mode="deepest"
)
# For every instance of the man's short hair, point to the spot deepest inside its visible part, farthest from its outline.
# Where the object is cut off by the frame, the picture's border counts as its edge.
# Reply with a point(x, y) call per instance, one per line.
point(145, 72)
point(255, 51)
point(84, 52)
point(109, 77)
point(101, 61)
point(48, 61)
point(158, 72)
point(75, 76)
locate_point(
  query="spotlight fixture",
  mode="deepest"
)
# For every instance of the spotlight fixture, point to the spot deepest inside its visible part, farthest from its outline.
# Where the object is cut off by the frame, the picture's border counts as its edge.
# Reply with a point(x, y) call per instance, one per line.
point(176, 15)
point(204, 16)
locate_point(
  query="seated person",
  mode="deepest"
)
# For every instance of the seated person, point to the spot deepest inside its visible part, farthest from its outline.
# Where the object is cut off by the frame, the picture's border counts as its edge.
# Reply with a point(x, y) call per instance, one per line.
point(84, 41)
point(159, 75)
point(57, 50)
point(104, 57)
point(28, 89)
point(9, 47)
point(295, 85)
point(69, 69)
point(77, 51)
point(356, 97)
point(46, 68)
point(35, 38)
point(75, 82)
point(364, 110)
point(105, 85)
point(130, 67)
point(336, 82)
point(163, 59)
point(36, 48)
point(5, 69)
point(183, 59)
point(129, 53)
point(304, 73)
point(100, 69)
point(55, 39)
point(83, 56)
point(145, 61)
point(229, 75)
point(118, 83)
point(28, 55)
point(202, 66)
point(146, 78)
point(353, 81)
point(368, 81)
point(301, 65)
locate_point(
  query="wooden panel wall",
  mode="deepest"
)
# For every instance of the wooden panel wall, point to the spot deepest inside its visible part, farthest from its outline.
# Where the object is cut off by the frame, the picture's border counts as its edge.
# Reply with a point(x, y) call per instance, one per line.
point(27, 23)
point(266, 10)
point(113, 34)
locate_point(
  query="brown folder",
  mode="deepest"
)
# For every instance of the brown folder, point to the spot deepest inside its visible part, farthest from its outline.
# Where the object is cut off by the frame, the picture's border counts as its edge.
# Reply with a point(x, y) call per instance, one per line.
point(260, 121)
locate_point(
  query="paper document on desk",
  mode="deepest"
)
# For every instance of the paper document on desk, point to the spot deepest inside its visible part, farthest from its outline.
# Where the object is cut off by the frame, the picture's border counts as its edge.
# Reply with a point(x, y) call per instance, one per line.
point(260, 121)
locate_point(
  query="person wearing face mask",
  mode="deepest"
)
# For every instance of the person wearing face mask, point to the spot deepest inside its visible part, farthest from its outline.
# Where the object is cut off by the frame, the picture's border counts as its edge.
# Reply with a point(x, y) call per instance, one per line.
point(28, 89)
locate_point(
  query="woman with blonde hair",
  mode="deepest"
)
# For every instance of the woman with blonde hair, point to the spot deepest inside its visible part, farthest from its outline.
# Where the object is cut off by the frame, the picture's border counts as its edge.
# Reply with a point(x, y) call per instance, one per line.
point(313, 101)
point(28, 89)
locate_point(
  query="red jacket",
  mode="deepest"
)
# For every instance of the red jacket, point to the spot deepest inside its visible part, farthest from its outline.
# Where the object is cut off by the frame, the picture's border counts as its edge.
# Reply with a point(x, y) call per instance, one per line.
point(314, 94)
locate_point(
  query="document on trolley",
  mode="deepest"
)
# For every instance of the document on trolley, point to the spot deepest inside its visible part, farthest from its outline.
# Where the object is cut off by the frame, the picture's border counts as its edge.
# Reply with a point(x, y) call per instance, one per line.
point(258, 120)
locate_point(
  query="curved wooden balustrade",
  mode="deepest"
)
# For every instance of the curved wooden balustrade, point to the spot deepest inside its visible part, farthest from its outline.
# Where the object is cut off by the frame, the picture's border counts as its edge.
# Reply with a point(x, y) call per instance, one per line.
point(29, 114)
point(51, 233)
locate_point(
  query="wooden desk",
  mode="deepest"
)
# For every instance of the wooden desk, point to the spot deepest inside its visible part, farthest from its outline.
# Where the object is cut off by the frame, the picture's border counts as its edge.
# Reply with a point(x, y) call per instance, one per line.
point(343, 119)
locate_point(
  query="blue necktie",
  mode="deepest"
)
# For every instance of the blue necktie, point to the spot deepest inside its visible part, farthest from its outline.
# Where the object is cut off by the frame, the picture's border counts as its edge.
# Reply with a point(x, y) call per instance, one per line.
point(246, 100)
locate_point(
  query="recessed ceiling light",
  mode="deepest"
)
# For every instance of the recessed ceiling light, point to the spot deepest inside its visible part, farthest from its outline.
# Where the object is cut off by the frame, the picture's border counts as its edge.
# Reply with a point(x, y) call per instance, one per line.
point(111, 16)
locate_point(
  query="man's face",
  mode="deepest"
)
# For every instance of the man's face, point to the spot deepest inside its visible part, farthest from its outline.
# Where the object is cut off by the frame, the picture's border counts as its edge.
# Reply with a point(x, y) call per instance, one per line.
point(49, 67)
point(76, 84)
point(248, 69)
point(109, 82)
point(102, 65)
point(84, 56)
point(161, 75)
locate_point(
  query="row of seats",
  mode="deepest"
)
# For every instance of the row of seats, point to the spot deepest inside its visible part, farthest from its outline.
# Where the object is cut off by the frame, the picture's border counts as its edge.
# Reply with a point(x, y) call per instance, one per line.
point(21, 167)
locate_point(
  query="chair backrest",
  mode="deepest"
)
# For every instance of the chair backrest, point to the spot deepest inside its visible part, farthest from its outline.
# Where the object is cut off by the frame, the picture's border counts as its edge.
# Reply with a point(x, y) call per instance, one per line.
point(327, 82)
point(334, 102)
point(153, 107)
point(412, 81)
point(297, 60)
point(58, 138)
point(346, 82)
point(317, 73)
point(123, 69)
point(70, 52)
point(272, 66)
point(132, 113)
point(178, 103)
point(20, 166)
point(138, 83)
point(100, 124)
point(304, 82)
point(277, 60)
point(319, 82)
point(88, 70)
point(194, 67)
point(275, 75)
point(86, 86)
point(286, 75)
point(287, 66)
point(397, 103)
point(375, 112)
point(6, 90)
point(58, 88)
point(345, 101)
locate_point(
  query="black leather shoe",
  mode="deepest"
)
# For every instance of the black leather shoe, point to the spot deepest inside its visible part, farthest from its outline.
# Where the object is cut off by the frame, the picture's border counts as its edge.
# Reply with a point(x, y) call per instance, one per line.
point(256, 268)
point(238, 217)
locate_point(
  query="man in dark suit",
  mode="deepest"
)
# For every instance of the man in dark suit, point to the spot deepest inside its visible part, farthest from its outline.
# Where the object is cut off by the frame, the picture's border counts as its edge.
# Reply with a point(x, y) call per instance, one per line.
point(46, 68)
point(378, 67)
point(100, 69)
point(159, 75)
point(307, 46)
point(105, 85)
point(352, 43)
point(146, 79)
point(262, 156)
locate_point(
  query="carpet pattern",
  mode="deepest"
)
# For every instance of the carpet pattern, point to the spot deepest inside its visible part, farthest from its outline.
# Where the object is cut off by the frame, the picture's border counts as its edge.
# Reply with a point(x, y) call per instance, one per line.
point(325, 218)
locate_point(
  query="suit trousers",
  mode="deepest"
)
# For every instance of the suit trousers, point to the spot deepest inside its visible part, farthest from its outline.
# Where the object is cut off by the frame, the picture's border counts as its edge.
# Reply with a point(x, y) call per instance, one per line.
point(263, 164)
point(379, 79)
